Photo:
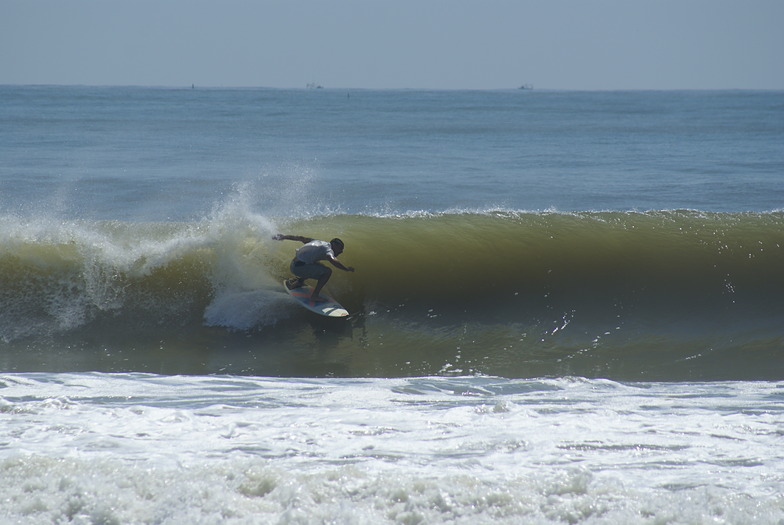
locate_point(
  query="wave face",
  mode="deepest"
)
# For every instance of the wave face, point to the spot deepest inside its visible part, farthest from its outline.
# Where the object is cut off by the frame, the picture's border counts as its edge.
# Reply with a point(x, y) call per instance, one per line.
point(662, 295)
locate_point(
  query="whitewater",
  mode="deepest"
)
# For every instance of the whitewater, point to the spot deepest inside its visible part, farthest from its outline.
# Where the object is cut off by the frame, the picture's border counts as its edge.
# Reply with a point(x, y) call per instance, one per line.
point(97, 448)
point(567, 307)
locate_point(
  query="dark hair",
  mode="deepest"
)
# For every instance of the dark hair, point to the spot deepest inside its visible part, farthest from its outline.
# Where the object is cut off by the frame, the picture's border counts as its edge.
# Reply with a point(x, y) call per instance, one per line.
point(337, 243)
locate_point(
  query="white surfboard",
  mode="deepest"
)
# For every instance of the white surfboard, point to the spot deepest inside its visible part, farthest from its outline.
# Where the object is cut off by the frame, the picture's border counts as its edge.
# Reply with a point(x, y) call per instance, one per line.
point(328, 307)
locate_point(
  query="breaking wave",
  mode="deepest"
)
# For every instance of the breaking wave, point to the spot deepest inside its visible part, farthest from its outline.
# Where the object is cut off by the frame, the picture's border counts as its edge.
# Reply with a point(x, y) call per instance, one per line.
point(665, 294)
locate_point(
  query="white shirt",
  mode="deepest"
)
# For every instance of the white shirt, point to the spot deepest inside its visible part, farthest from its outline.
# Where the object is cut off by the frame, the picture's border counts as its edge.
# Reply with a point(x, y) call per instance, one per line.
point(315, 251)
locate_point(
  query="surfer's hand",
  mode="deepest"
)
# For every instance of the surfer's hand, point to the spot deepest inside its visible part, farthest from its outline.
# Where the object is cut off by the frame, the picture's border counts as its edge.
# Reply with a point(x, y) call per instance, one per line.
point(349, 268)
point(277, 237)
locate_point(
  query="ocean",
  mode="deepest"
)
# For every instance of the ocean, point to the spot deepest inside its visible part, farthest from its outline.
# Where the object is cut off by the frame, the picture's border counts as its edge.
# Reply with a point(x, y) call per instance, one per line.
point(567, 306)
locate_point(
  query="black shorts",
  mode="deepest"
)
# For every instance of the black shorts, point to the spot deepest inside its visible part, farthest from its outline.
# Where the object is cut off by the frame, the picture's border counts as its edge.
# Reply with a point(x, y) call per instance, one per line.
point(309, 271)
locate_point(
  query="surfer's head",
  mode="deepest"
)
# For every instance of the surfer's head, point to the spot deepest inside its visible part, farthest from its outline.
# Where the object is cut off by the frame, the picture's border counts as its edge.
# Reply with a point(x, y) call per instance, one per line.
point(337, 246)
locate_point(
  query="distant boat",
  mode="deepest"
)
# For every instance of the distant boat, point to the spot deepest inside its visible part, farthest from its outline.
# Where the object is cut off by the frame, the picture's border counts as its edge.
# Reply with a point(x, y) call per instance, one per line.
point(527, 86)
point(313, 85)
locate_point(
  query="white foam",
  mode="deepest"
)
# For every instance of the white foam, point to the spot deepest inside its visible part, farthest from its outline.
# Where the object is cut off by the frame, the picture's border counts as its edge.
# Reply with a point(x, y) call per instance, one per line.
point(41, 489)
point(142, 448)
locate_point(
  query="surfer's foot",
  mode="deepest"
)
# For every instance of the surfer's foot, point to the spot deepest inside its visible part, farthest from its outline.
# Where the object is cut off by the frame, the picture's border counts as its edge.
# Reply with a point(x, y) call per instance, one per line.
point(291, 284)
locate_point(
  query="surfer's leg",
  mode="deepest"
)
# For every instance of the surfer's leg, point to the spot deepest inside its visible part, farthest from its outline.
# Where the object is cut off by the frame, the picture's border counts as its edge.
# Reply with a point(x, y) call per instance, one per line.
point(301, 272)
point(311, 271)
point(326, 274)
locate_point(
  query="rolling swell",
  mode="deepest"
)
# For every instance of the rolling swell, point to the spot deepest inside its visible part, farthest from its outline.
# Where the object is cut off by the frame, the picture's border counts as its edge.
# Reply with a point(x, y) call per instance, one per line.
point(654, 295)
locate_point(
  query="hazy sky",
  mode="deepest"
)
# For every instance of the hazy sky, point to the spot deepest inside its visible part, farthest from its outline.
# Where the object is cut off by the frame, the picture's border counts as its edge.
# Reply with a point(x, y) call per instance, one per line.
point(461, 44)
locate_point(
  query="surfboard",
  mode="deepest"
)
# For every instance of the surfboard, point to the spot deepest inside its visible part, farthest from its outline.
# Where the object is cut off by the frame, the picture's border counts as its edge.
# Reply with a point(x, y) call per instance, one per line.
point(328, 307)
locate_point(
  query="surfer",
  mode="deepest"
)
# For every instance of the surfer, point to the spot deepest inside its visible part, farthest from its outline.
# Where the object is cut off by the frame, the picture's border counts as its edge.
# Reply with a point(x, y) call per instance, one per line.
point(305, 263)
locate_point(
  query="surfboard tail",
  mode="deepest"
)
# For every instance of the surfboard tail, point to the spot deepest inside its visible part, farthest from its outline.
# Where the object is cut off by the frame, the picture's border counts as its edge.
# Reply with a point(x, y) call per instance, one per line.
point(325, 305)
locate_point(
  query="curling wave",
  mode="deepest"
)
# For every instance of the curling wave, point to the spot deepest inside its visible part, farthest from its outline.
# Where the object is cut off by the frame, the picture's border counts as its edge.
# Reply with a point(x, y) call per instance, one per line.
point(661, 294)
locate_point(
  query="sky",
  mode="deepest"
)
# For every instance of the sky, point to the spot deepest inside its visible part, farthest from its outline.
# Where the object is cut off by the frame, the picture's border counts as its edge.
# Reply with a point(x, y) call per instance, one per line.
point(380, 44)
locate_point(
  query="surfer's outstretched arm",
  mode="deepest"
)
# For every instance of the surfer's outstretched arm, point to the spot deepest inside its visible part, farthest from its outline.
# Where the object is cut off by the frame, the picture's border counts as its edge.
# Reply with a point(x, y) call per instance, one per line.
point(300, 238)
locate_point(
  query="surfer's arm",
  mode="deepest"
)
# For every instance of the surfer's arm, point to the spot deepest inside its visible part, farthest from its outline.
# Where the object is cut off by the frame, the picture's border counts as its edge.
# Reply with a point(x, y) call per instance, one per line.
point(338, 264)
point(300, 238)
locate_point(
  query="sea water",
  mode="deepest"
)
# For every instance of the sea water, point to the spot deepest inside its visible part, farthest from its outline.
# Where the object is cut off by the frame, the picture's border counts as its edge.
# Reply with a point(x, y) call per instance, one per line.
point(567, 306)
